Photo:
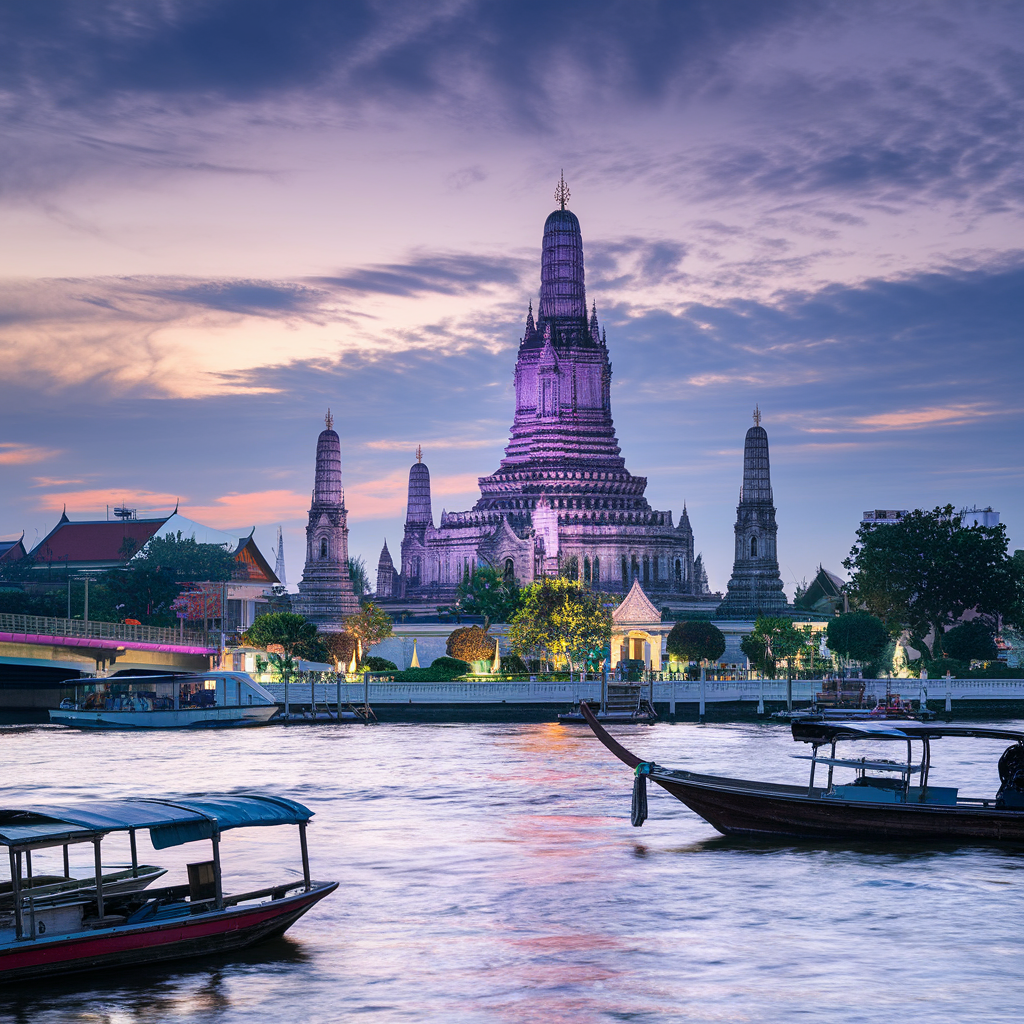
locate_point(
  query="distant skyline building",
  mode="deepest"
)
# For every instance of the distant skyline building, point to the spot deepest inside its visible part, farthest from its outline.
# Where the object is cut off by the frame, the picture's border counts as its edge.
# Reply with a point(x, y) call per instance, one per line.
point(562, 500)
point(756, 586)
point(326, 595)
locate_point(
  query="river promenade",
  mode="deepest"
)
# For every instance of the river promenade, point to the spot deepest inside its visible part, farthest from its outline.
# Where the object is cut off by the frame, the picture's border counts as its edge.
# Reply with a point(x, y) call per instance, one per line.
point(724, 700)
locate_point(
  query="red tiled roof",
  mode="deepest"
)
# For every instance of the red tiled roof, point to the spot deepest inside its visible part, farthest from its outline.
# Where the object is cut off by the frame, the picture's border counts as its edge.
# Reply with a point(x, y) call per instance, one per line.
point(95, 542)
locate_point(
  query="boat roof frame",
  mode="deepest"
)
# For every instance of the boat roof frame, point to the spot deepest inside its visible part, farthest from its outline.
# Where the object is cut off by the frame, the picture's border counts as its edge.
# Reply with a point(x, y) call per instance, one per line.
point(171, 822)
point(820, 733)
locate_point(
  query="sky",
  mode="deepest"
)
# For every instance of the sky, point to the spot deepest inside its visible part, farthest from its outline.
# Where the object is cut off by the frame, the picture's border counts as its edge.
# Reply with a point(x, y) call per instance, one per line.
point(222, 217)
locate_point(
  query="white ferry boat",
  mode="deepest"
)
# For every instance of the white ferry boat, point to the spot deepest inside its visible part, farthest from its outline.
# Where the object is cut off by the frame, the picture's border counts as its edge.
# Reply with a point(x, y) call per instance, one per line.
point(201, 700)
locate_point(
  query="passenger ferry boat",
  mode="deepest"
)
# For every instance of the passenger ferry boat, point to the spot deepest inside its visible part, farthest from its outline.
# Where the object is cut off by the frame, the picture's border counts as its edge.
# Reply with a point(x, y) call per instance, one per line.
point(43, 935)
point(206, 700)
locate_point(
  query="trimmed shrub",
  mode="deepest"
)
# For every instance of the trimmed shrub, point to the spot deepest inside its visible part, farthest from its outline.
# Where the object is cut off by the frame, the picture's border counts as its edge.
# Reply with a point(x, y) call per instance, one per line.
point(470, 643)
point(375, 664)
point(696, 641)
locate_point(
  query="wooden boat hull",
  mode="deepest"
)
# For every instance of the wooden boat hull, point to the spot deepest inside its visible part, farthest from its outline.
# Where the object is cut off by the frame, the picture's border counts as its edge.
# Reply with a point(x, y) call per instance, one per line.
point(737, 807)
point(178, 938)
point(756, 809)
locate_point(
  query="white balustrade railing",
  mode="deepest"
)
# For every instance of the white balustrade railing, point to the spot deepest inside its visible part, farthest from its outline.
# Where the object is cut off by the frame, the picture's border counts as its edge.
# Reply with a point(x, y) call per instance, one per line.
point(680, 691)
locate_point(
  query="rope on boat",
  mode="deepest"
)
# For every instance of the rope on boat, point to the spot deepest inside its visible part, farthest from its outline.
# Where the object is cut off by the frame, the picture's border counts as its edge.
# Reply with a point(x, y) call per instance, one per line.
point(639, 813)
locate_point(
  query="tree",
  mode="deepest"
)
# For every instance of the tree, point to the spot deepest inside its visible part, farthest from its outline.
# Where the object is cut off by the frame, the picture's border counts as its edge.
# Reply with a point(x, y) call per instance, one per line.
point(141, 591)
point(370, 625)
point(293, 632)
point(186, 559)
point(696, 641)
point(925, 571)
point(857, 635)
point(357, 574)
point(470, 643)
point(774, 639)
point(488, 593)
point(561, 617)
point(970, 641)
point(341, 647)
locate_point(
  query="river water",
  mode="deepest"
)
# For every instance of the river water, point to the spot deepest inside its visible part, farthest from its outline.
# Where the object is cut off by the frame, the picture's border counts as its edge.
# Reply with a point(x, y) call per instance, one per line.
point(489, 873)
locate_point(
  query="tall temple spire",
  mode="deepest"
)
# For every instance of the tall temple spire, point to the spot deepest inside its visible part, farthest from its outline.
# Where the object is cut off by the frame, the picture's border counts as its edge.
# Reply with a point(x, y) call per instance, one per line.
point(326, 596)
point(418, 510)
point(562, 292)
point(279, 564)
point(756, 586)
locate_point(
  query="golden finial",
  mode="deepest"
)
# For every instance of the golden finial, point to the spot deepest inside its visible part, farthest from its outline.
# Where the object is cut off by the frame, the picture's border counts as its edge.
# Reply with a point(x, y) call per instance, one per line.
point(562, 192)
point(757, 416)
point(419, 454)
point(329, 420)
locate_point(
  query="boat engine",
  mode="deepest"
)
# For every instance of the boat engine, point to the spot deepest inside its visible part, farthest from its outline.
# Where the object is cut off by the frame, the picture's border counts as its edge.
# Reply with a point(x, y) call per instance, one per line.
point(1011, 777)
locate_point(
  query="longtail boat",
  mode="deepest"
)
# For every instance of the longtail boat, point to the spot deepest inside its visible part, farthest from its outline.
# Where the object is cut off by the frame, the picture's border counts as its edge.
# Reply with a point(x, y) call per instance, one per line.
point(79, 930)
point(878, 803)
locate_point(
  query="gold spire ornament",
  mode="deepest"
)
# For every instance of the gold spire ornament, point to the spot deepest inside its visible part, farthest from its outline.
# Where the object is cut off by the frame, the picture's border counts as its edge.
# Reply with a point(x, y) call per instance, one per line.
point(419, 453)
point(757, 416)
point(329, 420)
point(562, 192)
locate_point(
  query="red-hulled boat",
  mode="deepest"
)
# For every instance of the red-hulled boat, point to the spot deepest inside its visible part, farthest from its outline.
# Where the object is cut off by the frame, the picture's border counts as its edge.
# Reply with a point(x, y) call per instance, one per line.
point(84, 930)
point(879, 803)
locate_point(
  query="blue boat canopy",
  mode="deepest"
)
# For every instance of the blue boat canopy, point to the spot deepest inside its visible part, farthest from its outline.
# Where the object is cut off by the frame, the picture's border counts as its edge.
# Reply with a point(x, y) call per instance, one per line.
point(170, 822)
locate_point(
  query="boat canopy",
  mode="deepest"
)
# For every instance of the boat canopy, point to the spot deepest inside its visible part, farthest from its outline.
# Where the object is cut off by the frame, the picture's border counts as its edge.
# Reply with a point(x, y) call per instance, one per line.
point(828, 732)
point(170, 822)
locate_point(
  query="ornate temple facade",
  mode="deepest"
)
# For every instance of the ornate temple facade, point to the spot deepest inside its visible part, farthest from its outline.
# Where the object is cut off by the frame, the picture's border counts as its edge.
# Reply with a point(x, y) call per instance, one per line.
point(756, 586)
point(326, 595)
point(562, 500)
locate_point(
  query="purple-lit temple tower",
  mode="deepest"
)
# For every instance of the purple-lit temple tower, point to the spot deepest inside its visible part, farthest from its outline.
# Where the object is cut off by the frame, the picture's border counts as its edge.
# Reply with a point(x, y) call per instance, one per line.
point(562, 500)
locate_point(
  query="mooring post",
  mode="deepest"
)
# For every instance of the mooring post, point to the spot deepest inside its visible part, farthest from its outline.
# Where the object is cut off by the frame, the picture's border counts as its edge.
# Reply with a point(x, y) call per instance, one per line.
point(949, 695)
point(98, 865)
point(337, 708)
point(366, 709)
point(760, 696)
point(703, 677)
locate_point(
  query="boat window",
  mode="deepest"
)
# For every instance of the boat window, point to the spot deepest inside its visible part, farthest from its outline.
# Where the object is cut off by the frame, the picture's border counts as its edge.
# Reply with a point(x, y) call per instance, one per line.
point(194, 694)
point(137, 695)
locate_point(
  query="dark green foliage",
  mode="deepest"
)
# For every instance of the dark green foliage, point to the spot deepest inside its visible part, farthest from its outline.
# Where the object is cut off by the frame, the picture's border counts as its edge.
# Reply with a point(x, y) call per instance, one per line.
point(441, 670)
point(53, 603)
point(696, 641)
point(143, 592)
point(774, 639)
point(185, 559)
point(297, 636)
point(357, 574)
point(375, 664)
point(513, 665)
point(489, 594)
point(454, 666)
point(970, 641)
point(860, 636)
point(940, 666)
point(925, 571)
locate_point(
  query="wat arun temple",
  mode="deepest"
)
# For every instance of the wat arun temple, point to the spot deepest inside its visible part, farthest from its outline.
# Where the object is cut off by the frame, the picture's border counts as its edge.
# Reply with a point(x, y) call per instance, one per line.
point(562, 501)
